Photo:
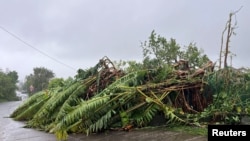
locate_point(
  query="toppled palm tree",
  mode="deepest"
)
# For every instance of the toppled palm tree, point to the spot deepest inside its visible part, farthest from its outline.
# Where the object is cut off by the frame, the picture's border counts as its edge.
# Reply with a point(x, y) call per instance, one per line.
point(103, 98)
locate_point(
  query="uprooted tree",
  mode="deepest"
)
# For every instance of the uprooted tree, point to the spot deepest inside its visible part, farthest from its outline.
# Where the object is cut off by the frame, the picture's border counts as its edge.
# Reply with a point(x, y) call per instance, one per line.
point(180, 85)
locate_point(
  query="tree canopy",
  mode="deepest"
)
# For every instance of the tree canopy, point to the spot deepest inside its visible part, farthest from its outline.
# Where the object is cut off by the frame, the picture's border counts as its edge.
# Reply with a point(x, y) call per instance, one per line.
point(8, 86)
point(38, 80)
point(158, 51)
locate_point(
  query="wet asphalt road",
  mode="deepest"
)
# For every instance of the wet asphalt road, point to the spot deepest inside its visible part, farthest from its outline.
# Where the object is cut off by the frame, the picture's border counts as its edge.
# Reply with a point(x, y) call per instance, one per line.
point(11, 130)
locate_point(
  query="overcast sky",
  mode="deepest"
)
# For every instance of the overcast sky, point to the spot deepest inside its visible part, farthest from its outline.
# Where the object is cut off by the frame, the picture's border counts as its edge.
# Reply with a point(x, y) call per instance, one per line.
point(65, 35)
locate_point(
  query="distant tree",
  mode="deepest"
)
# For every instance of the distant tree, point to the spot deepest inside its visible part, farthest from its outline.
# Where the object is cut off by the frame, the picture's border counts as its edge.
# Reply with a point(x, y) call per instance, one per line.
point(194, 56)
point(27, 83)
point(158, 52)
point(39, 80)
point(13, 75)
point(8, 85)
point(128, 66)
point(134, 66)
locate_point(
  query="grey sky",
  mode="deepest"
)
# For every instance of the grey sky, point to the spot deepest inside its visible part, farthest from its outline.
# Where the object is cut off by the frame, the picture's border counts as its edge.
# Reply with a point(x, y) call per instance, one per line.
point(80, 32)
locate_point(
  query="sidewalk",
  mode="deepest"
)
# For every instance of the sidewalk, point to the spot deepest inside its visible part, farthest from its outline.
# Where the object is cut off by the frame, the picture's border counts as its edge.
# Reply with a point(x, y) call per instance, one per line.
point(11, 130)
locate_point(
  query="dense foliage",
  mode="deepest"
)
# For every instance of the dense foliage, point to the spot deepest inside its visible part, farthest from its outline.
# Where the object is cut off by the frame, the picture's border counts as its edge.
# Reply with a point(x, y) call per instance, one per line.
point(8, 86)
point(159, 51)
point(38, 80)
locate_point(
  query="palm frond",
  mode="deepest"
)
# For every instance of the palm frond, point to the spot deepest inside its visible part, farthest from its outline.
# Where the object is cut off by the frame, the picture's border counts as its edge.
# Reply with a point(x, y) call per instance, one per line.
point(73, 99)
point(67, 105)
point(101, 123)
point(30, 101)
point(171, 116)
point(145, 114)
point(81, 112)
point(167, 109)
point(43, 116)
point(101, 118)
point(123, 81)
point(31, 110)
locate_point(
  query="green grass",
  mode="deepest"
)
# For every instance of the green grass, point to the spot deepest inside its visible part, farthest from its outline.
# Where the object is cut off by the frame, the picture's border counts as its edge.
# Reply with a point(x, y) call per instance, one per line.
point(192, 130)
point(189, 130)
point(13, 99)
point(3, 100)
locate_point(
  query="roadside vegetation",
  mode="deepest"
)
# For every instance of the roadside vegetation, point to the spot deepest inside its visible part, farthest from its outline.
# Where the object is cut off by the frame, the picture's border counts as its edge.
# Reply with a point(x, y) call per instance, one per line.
point(172, 86)
point(8, 86)
point(37, 81)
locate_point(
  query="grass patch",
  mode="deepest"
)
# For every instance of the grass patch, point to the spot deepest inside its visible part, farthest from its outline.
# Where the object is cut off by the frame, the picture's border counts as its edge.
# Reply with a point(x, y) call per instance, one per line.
point(192, 130)
point(3, 100)
point(189, 129)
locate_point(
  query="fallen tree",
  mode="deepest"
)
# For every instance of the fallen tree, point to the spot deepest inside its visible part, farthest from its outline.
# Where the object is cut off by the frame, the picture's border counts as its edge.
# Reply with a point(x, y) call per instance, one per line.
point(108, 98)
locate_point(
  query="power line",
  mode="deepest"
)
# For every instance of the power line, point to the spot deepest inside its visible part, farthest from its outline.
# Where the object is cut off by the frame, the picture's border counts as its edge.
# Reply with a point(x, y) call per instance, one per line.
point(29, 45)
